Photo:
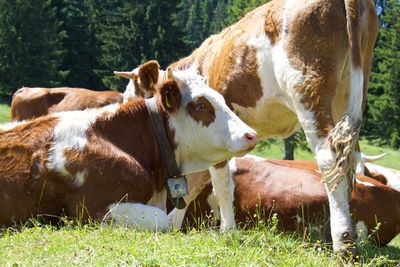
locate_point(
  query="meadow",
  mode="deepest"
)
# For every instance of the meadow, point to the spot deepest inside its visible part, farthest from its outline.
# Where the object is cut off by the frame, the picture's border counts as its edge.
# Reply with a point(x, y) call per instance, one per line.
point(97, 244)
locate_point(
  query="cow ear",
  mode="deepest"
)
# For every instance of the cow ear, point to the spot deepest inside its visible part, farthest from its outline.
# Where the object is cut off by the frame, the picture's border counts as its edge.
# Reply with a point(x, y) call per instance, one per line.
point(170, 96)
point(148, 75)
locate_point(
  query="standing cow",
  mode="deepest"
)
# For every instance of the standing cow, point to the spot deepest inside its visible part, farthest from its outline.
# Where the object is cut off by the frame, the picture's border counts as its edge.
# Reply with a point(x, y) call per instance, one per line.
point(106, 163)
point(291, 64)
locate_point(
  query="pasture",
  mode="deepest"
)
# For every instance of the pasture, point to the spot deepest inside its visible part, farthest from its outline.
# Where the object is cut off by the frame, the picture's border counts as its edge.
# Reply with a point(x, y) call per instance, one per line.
point(96, 244)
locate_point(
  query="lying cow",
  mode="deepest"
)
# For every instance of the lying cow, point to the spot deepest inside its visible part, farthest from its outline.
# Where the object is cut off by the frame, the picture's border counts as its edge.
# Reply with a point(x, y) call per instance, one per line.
point(387, 176)
point(106, 162)
point(28, 103)
point(294, 191)
point(291, 64)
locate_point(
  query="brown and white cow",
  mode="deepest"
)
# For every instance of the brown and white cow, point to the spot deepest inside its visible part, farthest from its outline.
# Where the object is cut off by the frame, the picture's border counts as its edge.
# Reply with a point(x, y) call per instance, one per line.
point(291, 64)
point(29, 103)
point(106, 162)
point(294, 191)
point(385, 175)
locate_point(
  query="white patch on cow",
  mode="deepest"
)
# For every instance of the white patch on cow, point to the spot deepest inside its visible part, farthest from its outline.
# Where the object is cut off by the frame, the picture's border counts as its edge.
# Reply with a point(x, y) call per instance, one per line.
point(109, 111)
point(225, 135)
point(263, 116)
point(253, 157)
point(213, 202)
point(362, 231)
point(356, 93)
point(285, 27)
point(364, 183)
point(10, 125)
point(70, 134)
point(159, 200)
point(80, 178)
point(138, 215)
point(298, 219)
point(176, 217)
point(339, 214)
point(223, 188)
point(238, 61)
point(130, 90)
point(392, 176)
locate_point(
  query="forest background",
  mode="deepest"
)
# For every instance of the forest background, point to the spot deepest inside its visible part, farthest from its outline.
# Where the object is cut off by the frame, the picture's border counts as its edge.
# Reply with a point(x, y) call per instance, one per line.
point(78, 43)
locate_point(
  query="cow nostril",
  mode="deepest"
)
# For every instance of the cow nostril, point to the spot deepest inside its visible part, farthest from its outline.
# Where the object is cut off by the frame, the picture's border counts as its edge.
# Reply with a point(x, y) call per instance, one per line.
point(250, 136)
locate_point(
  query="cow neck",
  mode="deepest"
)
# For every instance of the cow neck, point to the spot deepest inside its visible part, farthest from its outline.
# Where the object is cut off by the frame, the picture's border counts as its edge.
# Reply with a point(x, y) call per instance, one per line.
point(130, 131)
point(167, 152)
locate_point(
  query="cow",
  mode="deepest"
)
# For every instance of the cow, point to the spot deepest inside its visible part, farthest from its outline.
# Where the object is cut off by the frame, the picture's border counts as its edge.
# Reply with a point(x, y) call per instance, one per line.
point(28, 103)
point(294, 191)
point(291, 64)
point(385, 175)
point(106, 163)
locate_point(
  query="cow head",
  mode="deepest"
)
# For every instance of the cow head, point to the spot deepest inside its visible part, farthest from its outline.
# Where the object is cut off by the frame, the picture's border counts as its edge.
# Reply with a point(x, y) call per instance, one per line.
point(205, 130)
point(142, 80)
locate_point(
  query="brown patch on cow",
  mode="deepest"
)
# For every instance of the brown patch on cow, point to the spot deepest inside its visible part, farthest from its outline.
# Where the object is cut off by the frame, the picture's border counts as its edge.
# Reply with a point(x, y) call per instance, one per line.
point(294, 191)
point(244, 85)
point(170, 96)
point(148, 75)
point(313, 30)
point(201, 111)
point(273, 21)
point(376, 176)
point(20, 183)
point(221, 165)
point(119, 161)
point(353, 13)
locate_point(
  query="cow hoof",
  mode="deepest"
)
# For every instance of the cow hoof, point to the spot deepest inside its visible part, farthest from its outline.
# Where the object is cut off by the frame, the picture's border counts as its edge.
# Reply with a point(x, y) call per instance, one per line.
point(349, 251)
point(350, 254)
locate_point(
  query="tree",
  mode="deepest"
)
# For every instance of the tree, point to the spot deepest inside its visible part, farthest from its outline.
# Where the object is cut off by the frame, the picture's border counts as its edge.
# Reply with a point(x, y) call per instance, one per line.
point(80, 44)
point(219, 17)
point(239, 8)
point(30, 44)
point(194, 27)
point(132, 32)
point(383, 110)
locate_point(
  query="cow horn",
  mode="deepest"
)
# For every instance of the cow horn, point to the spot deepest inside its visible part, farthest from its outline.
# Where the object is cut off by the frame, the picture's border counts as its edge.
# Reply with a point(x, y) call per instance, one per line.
point(170, 75)
point(374, 158)
point(125, 74)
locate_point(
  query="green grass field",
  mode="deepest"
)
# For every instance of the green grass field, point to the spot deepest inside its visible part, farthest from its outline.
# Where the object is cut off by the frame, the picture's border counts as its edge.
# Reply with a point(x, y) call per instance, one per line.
point(105, 245)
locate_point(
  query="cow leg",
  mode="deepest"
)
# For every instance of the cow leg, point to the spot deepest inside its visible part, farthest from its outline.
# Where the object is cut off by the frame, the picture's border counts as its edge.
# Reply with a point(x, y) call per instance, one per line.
point(138, 215)
point(196, 183)
point(334, 152)
point(223, 188)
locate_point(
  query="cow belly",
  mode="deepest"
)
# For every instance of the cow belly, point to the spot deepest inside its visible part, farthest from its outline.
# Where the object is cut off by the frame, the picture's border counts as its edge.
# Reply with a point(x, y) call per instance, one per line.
point(270, 119)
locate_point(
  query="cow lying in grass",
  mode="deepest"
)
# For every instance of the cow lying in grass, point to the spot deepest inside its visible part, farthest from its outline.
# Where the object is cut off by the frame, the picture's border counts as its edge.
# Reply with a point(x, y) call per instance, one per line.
point(387, 176)
point(106, 163)
point(294, 191)
point(28, 103)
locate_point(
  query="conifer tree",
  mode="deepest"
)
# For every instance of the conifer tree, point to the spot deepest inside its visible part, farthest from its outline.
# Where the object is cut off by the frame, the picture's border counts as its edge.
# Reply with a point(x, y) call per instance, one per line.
point(382, 120)
point(194, 26)
point(80, 44)
point(220, 16)
point(30, 45)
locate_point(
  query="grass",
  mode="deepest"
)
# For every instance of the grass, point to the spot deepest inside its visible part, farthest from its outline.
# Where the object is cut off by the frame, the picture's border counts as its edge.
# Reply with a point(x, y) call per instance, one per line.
point(100, 245)
point(276, 151)
point(5, 112)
